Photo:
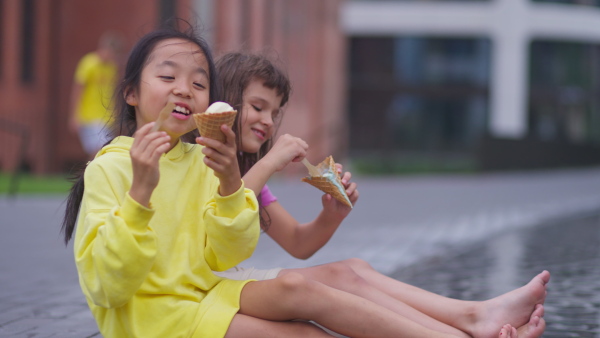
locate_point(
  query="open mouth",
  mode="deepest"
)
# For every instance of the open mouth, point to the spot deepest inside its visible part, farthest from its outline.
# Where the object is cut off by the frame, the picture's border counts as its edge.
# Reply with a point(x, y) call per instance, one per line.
point(181, 110)
point(259, 133)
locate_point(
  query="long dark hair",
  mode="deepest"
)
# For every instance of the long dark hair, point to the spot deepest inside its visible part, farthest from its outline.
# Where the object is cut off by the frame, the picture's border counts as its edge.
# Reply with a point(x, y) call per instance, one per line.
point(236, 71)
point(123, 121)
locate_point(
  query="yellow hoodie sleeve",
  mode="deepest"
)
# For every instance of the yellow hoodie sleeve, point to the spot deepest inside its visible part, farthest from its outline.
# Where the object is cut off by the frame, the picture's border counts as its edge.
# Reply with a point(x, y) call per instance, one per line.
point(114, 247)
point(232, 229)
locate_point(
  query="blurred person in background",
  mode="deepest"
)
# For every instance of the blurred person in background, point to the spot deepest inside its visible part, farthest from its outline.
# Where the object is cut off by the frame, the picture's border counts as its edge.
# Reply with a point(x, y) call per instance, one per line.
point(93, 87)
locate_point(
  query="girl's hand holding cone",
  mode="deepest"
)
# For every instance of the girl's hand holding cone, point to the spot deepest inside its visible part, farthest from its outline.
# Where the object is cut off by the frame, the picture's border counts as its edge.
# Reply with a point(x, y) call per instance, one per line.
point(332, 205)
point(329, 181)
point(221, 158)
point(148, 146)
point(219, 144)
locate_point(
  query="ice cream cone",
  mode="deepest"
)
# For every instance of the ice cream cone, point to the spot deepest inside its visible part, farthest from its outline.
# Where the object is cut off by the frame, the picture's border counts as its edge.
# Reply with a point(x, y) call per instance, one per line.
point(209, 124)
point(163, 115)
point(329, 181)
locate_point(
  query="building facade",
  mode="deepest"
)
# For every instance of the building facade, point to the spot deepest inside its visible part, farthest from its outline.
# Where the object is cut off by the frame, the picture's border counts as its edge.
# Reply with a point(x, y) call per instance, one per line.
point(475, 84)
point(480, 84)
point(42, 41)
point(40, 45)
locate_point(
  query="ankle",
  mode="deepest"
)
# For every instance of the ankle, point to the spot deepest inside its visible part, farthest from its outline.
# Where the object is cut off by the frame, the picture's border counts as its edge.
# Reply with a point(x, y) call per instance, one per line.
point(474, 316)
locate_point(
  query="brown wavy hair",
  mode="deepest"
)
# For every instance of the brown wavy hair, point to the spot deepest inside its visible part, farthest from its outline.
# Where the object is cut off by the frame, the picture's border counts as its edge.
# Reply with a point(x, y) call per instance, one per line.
point(235, 72)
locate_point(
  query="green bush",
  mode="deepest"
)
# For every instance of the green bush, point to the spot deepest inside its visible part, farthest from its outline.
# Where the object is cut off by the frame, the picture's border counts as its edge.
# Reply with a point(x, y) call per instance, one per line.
point(402, 166)
point(31, 184)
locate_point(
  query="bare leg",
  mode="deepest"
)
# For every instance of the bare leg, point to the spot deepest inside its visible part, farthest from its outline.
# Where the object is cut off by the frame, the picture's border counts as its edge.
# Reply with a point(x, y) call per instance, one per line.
point(292, 296)
point(479, 319)
point(342, 277)
point(250, 327)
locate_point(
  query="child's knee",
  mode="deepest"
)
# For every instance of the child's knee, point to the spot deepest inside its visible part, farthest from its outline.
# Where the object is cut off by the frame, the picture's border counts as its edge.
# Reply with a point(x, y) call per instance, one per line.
point(340, 270)
point(357, 264)
point(293, 282)
point(342, 274)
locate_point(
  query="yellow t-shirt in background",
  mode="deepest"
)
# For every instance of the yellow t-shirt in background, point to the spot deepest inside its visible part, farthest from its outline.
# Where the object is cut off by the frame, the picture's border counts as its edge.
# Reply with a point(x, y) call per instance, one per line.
point(98, 79)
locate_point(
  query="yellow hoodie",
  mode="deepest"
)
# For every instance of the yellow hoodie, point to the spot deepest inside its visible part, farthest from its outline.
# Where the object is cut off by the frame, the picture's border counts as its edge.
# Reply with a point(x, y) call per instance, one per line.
point(146, 272)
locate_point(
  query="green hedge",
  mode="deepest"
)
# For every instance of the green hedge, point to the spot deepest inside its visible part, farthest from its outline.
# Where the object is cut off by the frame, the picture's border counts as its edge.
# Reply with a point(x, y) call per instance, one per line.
point(31, 184)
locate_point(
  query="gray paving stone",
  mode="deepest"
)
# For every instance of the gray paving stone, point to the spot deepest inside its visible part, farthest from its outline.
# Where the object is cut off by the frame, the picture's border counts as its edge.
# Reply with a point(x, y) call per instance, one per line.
point(569, 248)
point(398, 222)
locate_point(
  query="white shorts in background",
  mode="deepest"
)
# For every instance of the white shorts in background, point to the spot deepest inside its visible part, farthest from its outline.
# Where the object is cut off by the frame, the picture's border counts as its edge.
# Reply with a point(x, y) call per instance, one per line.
point(93, 136)
point(239, 273)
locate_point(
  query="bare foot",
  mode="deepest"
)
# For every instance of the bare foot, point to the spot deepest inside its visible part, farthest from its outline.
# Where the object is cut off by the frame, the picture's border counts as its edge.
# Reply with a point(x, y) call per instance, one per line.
point(536, 325)
point(533, 329)
point(508, 331)
point(515, 307)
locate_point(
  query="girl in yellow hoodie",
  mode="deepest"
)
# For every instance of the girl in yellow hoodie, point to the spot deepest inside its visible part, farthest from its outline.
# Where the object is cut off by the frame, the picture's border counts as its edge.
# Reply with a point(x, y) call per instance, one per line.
point(155, 215)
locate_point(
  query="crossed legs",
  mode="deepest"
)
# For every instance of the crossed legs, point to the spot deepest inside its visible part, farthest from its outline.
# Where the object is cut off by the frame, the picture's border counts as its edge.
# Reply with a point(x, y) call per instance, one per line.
point(441, 314)
point(293, 296)
point(266, 308)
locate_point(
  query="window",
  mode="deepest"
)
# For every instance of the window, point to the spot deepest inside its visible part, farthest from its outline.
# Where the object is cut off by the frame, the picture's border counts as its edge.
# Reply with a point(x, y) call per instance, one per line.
point(28, 41)
point(564, 88)
point(168, 10)
point(245, 24)
point(1, 38)
point(418, 95)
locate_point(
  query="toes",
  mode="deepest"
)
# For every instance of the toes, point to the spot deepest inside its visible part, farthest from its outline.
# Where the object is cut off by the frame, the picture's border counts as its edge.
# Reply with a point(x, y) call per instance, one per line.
point(538, 311)
point(535, 320)
point(533, 329)
point(542, 277)
point(537, 326)
point(545, 276)
point(542, 325)
point(508, 331)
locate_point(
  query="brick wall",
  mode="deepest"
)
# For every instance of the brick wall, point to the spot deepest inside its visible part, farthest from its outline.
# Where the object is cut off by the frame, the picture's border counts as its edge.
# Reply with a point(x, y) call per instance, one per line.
point(304, 34)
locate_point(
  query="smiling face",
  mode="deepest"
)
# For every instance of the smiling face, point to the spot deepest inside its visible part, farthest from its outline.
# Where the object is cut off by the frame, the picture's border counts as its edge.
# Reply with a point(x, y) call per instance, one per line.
point(261, 105)
point(177, 72)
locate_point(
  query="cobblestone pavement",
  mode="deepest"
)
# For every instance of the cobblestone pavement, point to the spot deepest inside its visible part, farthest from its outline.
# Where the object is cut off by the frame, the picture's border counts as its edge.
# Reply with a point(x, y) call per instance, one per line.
point(397, 224)
point(39, 291)
point(568, 248)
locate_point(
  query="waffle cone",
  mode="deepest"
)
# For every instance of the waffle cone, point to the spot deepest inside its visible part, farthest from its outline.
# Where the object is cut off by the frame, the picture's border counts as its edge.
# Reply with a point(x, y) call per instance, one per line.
point(326, 184)
point(209, 125)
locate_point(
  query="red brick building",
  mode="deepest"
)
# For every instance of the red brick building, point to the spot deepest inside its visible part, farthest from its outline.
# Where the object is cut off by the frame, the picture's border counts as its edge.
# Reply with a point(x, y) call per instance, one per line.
point(41, 42)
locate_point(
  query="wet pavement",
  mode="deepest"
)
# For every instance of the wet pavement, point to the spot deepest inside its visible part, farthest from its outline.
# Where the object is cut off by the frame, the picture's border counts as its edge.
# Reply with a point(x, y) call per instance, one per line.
point(568, 248)
point(499, 230)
